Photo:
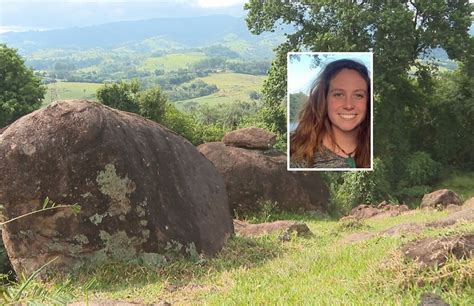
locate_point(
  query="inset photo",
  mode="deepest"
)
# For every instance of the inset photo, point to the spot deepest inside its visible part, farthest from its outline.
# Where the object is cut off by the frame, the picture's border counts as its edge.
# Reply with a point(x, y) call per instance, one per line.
point(330, 111)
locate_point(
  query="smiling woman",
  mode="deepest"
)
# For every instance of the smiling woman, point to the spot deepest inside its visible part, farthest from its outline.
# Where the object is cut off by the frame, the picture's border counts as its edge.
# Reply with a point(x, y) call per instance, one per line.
point(333, 129)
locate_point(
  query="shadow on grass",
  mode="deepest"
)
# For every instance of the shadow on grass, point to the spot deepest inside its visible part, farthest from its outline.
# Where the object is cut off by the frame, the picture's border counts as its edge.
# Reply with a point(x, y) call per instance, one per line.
point(179, 271)
point(272, 216)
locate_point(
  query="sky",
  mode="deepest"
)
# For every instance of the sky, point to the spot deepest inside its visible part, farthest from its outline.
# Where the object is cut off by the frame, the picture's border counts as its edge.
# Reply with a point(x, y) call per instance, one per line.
point(49, 14)
point(301, 74)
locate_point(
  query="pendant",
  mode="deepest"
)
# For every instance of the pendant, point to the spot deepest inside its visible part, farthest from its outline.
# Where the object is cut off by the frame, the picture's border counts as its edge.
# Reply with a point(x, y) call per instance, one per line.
point(351, 162)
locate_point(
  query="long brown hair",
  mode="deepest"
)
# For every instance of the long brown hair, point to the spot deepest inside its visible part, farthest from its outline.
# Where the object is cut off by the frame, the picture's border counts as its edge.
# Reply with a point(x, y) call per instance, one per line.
point(313, 120)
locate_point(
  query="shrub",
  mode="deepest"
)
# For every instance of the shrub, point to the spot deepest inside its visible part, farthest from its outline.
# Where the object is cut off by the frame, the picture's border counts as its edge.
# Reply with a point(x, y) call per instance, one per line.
point(353, 188)
point(152, 104)
point(121, 95)
point(182, 123)
point(211, 132)
point(421, 169)
point(413, 194)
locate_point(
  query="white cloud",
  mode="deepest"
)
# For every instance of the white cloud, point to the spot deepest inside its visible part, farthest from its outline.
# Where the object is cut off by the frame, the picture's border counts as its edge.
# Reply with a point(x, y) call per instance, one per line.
point(219, 3)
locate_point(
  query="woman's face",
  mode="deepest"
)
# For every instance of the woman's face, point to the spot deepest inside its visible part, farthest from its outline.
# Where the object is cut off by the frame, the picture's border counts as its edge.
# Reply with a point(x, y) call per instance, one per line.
point(347, 100)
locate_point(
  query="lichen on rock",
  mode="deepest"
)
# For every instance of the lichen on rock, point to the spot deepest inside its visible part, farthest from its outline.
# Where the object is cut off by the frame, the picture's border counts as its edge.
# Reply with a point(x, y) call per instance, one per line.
point(117, 188)
point(135, 192)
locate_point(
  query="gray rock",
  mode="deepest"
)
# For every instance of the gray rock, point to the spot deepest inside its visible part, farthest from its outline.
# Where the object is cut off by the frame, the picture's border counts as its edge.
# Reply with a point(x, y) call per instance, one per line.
point(432, 299)
point(283, 227)
point(432, 251)
point(141, 187)
point(254, 177)
point(251, 138)
point(441, 197)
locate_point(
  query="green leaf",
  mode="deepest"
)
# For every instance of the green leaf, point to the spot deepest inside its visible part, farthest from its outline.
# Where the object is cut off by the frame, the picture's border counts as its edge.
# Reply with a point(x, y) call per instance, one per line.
point(45, 203)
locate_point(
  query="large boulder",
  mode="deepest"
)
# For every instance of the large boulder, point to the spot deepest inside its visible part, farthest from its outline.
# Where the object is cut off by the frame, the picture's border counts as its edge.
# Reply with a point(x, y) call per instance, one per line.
point(141, 188)
point(254, 177)
point(251, 138)
point(433, 251)
point(441, 197)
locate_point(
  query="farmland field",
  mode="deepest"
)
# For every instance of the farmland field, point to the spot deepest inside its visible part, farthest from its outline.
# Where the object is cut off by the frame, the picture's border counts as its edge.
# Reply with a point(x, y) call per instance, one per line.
point(70, 90)
point(232, 87)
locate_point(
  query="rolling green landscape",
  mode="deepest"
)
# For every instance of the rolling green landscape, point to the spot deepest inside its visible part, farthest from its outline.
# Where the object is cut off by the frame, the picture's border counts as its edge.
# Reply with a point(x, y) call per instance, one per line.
point(206, 75)
point(232, 87)
point(70, 90)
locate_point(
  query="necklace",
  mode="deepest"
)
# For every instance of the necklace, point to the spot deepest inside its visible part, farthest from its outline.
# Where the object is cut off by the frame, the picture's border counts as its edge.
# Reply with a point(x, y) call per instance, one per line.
point(349, 160)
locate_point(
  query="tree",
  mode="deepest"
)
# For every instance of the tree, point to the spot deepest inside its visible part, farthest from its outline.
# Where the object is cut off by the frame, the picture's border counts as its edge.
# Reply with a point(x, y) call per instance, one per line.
point(152, 103)
point(128, 97)
point(20, 91)
point(398, 32)
point(121, 95)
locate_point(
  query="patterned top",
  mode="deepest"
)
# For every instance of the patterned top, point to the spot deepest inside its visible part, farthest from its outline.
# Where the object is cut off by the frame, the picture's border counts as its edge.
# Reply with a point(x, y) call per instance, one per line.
point(324, 159)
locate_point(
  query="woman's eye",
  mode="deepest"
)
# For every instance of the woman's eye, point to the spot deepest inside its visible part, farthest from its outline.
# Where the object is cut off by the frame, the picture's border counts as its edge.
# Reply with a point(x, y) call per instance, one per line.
point(359, 96)
point(337, 94)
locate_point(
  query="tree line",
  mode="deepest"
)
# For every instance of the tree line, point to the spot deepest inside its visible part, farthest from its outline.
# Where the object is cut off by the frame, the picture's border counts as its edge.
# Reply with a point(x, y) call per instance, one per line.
point(422, 121)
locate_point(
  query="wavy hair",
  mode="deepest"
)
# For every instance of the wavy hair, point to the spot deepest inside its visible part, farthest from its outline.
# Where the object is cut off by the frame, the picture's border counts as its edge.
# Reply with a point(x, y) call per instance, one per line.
point(314, 123)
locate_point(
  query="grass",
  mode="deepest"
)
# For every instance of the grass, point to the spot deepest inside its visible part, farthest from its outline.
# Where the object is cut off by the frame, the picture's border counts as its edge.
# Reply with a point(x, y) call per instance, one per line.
point(70, 90)
point(320, 269)
point(461, 183)
point(232, 87)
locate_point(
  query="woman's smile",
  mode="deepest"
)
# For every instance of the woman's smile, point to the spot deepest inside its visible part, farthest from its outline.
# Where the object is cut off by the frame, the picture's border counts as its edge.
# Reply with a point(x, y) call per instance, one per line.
point(348, 116)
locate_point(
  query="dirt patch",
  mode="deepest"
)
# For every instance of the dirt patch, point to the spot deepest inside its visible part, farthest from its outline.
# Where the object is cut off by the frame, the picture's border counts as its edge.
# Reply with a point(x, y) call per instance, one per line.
point(356, 237)
point(286, 227)
point(397, 230)
point(469, 203)
point(403, 229)
point(465, 214)
point(431, 299)
point(433, 251)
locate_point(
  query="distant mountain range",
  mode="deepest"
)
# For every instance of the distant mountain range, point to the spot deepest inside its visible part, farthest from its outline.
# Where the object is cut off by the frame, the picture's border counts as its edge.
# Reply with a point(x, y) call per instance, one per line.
point(188, 32)
point(163, 34)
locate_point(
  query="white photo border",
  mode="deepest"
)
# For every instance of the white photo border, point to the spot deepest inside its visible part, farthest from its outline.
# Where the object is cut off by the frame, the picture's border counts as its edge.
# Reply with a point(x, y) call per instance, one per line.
point(371, 71)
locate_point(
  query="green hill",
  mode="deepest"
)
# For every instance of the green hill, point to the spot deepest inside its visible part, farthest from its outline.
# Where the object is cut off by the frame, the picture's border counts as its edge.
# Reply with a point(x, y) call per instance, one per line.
point(232, 87)
point(150, 35)
point(70, 90)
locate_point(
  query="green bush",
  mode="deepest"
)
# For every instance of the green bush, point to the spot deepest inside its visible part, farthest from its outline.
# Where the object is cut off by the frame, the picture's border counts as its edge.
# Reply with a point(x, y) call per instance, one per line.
point(122, 95)
point(182, 123)
point(413, 194)
point(20, 91)
point(358, 187)
point(211, 132)
point(421, 169)
point(152, 104)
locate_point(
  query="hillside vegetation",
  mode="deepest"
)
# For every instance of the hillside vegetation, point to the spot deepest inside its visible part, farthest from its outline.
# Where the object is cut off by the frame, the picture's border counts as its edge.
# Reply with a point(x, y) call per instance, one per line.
point(70, 90)
point(232, 87)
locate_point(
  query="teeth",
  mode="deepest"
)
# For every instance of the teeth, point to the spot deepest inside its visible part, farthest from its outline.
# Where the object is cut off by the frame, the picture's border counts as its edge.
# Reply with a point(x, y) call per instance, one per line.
point(347, 116)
